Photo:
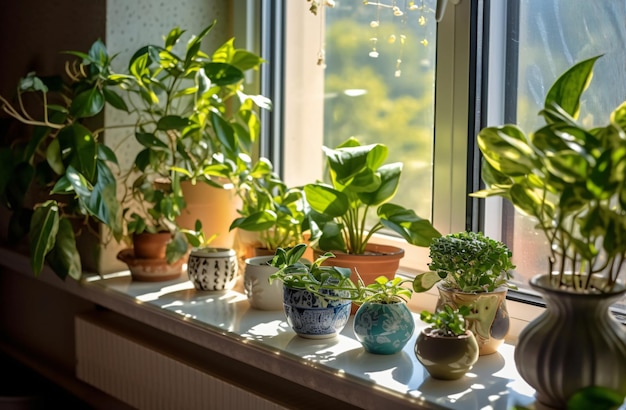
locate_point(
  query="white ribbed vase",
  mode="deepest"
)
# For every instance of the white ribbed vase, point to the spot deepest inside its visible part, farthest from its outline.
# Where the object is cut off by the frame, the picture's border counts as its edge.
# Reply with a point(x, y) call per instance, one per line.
point(573, 344)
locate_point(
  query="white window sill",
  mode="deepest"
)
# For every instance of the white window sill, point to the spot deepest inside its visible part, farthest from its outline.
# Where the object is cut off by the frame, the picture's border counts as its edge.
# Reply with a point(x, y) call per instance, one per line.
point(224, 322)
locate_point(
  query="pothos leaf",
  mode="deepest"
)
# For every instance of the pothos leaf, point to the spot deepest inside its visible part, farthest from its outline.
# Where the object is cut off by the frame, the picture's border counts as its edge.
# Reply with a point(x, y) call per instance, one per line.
point(64, 258)
point(43, 230)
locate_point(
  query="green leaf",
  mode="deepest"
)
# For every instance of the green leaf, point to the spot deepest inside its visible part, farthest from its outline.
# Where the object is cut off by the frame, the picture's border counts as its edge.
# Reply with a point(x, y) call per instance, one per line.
point(64, 258)
point(172, 37)
point(43, 230)
point(506, 149)
point(595, 397)
point(256, 222)
point(567, 89)
point(425, 281)
point(32, 83)
point(245, 60)
point(172, 122)
point(326, 200)
point(389, 181)
point(176, 248)
point(223, 74)
point(54, 158)
point(114, 99)
point(225, 133)
point(88, 103)
point(415, 230)
point(81, 147)
point(149, 140)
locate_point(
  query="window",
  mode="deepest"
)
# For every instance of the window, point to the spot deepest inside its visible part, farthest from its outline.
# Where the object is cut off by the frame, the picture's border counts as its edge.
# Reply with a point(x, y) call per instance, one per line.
point(543, 39)
point(523, 45)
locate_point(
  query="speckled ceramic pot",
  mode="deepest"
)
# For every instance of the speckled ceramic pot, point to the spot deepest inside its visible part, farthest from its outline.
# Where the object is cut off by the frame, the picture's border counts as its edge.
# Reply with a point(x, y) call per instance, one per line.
point(445, 357)
point(383, 328)
point(313, 317)
point(213, 268)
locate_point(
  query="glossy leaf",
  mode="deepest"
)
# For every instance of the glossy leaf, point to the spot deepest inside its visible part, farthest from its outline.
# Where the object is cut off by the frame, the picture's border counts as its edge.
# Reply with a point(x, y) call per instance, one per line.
point(114, 99)
point(82, 149)
point(64, 258)
point(567, 89)
point(256, 222)
point(326, 200)
point(223, 74)
point(43, 230)
point(88, 103)
point(415, 230)
point(389, 182)
point(54, 158)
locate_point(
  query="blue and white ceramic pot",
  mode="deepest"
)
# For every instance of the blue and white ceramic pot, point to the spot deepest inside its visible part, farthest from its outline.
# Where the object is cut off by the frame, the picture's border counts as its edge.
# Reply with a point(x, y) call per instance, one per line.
point(213, 268)
point(315, 317)
point(383, 328)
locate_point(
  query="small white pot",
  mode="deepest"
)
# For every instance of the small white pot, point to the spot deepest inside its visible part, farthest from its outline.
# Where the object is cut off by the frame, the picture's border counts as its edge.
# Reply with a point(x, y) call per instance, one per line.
point(261, 294)
point(213, 268)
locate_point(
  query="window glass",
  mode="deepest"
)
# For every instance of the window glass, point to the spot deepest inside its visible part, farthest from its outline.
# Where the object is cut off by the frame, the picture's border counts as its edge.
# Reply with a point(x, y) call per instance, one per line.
point(553, 35)
point(379, 86)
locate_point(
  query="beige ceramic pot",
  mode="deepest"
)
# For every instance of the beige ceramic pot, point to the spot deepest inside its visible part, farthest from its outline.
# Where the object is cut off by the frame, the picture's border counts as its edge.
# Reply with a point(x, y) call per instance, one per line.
point(489, 320)
point(446, 357)
point(261, 294)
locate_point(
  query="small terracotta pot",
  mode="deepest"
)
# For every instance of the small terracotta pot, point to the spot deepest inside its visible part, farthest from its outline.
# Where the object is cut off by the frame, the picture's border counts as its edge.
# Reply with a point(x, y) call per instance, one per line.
point(150, 245)
point(445, 357)
point(379, 260)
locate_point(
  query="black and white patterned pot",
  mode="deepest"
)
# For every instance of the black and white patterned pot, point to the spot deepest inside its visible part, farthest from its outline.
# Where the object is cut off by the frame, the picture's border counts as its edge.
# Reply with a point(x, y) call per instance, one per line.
point(213, 268)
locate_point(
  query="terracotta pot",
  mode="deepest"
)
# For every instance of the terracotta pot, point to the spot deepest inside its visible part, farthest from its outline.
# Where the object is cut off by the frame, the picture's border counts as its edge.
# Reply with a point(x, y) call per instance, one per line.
point(446, 357)
point(576, 342)
point(151, 245)
point(379, 260)
point(150, 270)
point(489, 320)
point(215, 207)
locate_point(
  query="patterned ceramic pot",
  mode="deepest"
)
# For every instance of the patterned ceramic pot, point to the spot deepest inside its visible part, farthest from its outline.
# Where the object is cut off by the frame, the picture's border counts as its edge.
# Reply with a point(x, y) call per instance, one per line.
point(213, 268)
point(314, 317)
point(383, 328)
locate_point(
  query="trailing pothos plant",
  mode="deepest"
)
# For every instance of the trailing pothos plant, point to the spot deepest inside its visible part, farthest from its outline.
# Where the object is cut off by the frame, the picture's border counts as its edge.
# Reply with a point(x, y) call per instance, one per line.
point(468, 262)
point(270, 208)
point(294, 272)
point(570, 178)
point(63, 161)
point(361, 186)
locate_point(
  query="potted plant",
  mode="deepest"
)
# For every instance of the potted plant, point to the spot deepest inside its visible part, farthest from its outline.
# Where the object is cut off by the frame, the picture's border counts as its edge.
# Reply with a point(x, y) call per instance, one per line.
point(194, 121)
point(316, 298)
point(360, 188)
point(271, 209)
point(383, 323)
point(446, 348)
point(58, 183)
point(472, 270)
point(572, 180)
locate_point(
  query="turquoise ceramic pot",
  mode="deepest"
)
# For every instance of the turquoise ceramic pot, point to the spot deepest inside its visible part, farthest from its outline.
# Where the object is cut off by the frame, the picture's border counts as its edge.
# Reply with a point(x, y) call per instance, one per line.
point(383, 328)
point(314, 317)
